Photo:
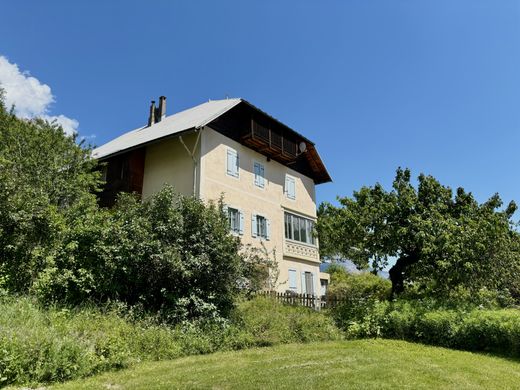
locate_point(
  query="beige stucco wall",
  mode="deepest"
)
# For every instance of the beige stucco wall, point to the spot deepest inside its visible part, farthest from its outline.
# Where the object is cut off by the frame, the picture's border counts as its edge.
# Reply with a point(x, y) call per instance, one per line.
point(270, 201)
point(168, 162)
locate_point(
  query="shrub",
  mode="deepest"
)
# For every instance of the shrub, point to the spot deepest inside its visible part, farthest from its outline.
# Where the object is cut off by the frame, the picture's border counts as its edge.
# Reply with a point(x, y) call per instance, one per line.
point(486, 330)
point(468, 328)
point(134, 252)
point(51, 345)
point(265, 321)
point(356, 293)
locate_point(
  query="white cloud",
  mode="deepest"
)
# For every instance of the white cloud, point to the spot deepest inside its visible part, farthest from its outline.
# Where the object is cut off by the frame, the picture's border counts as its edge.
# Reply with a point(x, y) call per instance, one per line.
point(30, 97)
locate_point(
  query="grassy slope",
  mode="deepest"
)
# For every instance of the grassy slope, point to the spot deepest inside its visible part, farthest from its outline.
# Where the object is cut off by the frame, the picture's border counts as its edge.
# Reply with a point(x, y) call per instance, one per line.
point(352, 364)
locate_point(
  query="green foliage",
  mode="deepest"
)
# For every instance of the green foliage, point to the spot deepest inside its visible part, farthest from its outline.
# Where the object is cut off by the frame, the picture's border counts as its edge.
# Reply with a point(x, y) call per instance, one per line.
point(355, 292)
point(267, 322)
point(39, 345)
point(357, 286)
point(51, 345)
point(43, 173)
point(441, 241)
point(468, 328)
point(170, 254)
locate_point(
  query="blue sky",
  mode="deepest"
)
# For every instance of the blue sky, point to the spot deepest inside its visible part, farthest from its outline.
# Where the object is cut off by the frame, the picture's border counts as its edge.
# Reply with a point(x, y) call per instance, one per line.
point(429, 85)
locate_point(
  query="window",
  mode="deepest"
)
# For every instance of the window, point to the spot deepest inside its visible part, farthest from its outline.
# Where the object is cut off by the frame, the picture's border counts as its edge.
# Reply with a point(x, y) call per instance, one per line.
point(236, 220)
point(292, 279)
point(232, 162)
point(290, 187)
point(307, 283)
point(259, 175)
point(260, 227)
point(299, 229)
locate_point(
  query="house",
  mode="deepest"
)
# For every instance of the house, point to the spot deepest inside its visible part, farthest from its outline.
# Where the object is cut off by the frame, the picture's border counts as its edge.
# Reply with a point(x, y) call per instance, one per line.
point(266, 172)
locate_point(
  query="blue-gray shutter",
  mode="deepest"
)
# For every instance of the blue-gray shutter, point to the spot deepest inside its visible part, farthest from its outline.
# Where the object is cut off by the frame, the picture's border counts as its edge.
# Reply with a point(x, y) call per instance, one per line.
point(241, 225)
point(259, 174)
point(254, 230)
point(230, 162)
point(303, 288)
point(290, 187)
point(292, 279)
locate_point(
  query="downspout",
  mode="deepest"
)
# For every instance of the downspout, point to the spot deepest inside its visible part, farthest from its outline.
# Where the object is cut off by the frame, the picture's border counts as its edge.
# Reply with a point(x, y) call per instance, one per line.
point(192, 155)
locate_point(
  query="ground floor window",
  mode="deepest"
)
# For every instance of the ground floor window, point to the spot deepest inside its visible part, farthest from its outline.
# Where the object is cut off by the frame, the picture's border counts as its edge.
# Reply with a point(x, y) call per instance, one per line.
point(307, 283)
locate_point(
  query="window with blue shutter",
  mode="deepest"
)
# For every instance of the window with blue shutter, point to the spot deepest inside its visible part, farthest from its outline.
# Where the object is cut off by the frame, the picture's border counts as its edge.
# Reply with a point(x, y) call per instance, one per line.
point(260, 227)
point(232, 162)
point(234, 218)
point(259, 175)
point(290, 187)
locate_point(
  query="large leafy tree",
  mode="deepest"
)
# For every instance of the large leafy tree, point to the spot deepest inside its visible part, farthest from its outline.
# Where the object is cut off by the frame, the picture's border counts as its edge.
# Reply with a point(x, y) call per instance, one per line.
point(439, 240)
point(43, 174)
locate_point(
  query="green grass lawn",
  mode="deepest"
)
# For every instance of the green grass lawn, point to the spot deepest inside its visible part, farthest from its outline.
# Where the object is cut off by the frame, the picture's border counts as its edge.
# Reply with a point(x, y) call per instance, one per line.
point(360, 364)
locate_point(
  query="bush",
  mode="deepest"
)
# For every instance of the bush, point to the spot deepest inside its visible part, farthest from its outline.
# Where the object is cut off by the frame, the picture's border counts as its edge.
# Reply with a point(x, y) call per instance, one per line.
point(51, 345)
point(356, 292)
point(170, 254)
point(468, 328)
point(265, 321)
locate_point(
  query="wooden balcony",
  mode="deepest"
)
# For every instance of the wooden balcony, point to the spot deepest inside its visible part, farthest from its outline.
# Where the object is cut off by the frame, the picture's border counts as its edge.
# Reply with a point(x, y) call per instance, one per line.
point(270, 143)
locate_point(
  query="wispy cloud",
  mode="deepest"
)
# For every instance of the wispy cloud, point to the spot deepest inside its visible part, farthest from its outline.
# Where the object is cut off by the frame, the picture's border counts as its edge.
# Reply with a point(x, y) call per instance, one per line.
point(30, 97)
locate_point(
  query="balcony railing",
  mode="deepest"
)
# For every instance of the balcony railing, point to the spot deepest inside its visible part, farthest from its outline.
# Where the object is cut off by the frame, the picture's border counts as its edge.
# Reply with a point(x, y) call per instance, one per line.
point(270, 142)
point(301, 251)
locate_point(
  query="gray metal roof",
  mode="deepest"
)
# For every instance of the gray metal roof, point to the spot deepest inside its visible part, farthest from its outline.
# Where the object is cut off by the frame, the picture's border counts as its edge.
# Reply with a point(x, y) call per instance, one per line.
point(192, 118)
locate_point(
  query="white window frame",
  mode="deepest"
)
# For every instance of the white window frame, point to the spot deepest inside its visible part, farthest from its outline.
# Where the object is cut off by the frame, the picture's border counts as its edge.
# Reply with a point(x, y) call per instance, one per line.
point(288, 180)
point(230, 170)
point(296, 228)
point(258, 183)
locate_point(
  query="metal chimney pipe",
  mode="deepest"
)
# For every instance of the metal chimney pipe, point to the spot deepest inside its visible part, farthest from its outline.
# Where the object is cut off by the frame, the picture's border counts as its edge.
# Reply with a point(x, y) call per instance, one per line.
point(162, 108)
point(151, 117)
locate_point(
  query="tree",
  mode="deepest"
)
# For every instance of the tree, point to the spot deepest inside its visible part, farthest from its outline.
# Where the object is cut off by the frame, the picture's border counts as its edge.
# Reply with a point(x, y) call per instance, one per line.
point(43, 173)
point(440, 241)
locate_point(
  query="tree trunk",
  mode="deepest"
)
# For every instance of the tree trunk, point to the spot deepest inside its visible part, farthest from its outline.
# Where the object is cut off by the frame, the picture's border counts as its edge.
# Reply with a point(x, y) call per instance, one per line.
point(398, 272)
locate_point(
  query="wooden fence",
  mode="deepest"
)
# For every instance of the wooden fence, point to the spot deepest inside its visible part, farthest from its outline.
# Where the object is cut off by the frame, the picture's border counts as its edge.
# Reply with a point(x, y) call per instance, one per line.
point(308, 300)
